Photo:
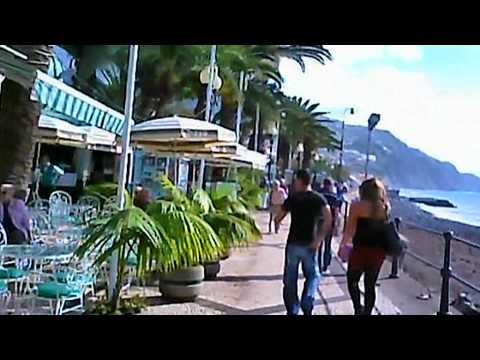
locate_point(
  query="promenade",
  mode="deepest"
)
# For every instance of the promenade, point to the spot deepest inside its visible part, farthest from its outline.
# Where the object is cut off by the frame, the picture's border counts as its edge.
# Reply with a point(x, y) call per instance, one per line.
point(250, 283)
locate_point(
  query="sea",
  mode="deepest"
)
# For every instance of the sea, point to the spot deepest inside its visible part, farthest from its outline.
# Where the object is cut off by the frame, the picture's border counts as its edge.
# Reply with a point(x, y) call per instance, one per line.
point(467, 204)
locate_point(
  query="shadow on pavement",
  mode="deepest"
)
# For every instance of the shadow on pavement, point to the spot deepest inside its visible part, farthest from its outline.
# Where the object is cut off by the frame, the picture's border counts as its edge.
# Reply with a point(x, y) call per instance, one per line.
point(249, 278)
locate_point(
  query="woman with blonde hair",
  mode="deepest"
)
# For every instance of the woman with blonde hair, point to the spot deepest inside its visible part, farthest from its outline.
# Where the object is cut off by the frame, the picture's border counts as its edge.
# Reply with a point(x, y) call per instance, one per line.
point(365, 230)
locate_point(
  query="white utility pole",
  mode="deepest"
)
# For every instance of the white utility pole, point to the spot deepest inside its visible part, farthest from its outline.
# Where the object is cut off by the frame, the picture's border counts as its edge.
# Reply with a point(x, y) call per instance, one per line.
point(211, 78)
point(257, 124)
point(122, 179)
point(243, 79)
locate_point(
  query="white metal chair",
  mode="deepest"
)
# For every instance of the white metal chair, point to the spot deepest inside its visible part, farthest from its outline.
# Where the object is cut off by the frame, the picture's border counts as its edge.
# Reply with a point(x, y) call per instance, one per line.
point(89, 201)
point(60, 196)
point(39, 204)
point(3, 235)
point(5, 297)
point(109, 206)
point(3, 242)
point(58, 294)
point(60, 206)
point(40, 224)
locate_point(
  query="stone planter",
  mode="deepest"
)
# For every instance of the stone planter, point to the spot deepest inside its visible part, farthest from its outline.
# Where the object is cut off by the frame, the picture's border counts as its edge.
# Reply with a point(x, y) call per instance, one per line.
point(182, 285)
point(211, 269)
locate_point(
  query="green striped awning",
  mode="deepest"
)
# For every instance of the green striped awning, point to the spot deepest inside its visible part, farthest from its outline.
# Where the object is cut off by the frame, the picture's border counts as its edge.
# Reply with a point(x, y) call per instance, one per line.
point(62, 101)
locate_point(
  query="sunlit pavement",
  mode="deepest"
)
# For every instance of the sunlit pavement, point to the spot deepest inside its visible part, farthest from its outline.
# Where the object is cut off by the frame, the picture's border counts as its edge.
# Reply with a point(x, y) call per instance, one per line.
point(250, 283)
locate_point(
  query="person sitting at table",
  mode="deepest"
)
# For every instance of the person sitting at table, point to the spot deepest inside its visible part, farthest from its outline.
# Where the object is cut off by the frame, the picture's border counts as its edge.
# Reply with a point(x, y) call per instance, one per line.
point(14, 216)
point(142, 198)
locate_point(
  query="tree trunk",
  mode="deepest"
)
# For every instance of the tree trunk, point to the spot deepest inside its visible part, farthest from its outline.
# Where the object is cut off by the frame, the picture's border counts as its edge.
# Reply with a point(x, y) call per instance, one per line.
point(229, 114)
point(201, 102)
point(307, 155)
point(18, 120)
point(261, 137)
point(283, 152)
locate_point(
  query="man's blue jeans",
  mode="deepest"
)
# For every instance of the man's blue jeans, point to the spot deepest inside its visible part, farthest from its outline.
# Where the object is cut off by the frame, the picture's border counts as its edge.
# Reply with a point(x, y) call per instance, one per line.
point(295, 255)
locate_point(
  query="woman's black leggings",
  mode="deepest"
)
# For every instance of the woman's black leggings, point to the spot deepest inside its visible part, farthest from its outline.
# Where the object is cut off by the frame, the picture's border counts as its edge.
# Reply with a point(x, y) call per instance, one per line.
point(370, 281)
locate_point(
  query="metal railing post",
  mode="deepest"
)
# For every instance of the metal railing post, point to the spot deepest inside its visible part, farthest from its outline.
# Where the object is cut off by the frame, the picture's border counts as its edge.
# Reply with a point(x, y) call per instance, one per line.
point(446, 273)
point(345, 216)
point(394, 271)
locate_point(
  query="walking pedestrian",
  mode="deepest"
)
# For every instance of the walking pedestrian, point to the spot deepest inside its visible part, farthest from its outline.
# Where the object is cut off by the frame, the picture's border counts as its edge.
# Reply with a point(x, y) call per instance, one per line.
point(365, 229)
point(325, 251)
point(277, 198)
point(310, 222)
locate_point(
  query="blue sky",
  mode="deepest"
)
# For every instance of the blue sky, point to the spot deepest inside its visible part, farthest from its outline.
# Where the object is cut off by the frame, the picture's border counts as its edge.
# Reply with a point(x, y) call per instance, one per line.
point(428, 96)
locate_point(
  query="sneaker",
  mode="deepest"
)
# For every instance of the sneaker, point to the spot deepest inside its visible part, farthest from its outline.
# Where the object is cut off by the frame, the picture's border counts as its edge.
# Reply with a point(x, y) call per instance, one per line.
point(326, 272)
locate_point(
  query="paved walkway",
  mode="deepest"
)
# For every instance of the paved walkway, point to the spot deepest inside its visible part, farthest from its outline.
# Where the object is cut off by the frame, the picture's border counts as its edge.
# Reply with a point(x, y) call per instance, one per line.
point(250, 283)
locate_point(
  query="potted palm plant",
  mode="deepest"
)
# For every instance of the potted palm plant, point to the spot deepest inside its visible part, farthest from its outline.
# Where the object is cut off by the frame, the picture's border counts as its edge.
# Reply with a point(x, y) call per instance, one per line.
point(126, 232)
point(195, 240)
point(170, 238)
point(194, 220)
point(230, 219)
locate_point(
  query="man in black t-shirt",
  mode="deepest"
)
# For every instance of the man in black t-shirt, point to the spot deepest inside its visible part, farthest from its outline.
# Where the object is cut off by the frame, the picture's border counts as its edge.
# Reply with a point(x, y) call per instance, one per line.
point(311, 220)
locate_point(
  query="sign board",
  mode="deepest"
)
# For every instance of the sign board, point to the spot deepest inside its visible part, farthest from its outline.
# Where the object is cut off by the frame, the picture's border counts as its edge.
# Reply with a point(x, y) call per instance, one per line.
point(373, 121)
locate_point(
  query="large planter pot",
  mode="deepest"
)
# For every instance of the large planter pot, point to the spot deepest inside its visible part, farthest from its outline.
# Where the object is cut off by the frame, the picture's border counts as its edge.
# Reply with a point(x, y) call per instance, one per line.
point(151, 279)
point(226, 255)
point(182, 285)
point(211, 269)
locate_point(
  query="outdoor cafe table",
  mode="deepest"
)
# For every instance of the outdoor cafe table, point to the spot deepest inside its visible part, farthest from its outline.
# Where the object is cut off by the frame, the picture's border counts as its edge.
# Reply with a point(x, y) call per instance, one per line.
point(38, 253)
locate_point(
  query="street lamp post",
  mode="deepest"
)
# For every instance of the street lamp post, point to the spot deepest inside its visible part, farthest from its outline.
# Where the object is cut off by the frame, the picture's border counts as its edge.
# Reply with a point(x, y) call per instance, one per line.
point(373, 121)
point(274, 148)
point(342, 144)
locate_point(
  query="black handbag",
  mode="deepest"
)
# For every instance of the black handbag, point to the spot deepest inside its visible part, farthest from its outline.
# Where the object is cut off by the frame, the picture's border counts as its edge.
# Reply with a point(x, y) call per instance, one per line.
point(394, 244)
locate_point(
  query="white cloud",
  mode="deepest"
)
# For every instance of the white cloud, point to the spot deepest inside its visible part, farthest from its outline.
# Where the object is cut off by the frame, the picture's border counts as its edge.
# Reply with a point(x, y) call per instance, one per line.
point(405, 52)
point(444, 125)
point(350, 54)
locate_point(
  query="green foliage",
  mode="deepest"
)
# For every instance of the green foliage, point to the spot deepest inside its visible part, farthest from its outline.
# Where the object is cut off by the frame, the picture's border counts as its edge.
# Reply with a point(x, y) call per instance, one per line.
point(216, 222)
point(251, 193)
point(102, 191)
point(128, 306)
point(196, 242)
point(130, 231)
point(169, 73)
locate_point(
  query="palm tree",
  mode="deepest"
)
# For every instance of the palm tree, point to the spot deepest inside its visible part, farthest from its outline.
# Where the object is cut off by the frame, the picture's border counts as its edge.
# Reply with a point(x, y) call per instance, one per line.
point(298, 53)
point(304, 123)
point(19, 115)
point(165, 74)
point(263, 63)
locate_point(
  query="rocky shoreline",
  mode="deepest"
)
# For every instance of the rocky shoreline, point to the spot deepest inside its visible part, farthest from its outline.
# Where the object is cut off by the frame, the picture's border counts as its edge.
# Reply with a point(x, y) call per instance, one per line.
point(465, 260)
point(411, 213)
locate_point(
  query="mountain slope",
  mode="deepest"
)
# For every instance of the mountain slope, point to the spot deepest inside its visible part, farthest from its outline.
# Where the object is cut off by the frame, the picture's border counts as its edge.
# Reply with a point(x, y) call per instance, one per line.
point(400, 165)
